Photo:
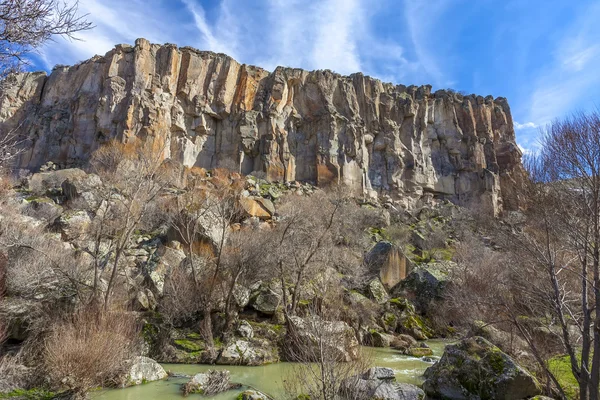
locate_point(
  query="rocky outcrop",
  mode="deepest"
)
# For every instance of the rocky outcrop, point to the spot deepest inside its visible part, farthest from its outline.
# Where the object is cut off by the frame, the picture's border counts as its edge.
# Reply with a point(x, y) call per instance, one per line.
point(207, 110)
point(476, 369)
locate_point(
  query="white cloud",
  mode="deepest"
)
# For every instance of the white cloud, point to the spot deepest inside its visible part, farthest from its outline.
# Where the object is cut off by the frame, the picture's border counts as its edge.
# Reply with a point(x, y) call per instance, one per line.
point(526, 125)
point(421, 18)
point(337, 24)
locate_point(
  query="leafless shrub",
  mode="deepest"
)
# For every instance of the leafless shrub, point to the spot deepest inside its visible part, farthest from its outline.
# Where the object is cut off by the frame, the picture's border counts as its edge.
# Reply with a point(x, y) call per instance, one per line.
point(89, 349)
point(181, 300)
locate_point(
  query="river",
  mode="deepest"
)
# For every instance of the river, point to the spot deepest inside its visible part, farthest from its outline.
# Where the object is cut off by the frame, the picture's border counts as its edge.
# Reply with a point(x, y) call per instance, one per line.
point(266, 378)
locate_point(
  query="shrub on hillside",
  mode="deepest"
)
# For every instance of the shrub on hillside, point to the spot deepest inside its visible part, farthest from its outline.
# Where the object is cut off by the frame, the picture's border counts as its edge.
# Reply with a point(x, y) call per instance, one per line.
point(89, 349)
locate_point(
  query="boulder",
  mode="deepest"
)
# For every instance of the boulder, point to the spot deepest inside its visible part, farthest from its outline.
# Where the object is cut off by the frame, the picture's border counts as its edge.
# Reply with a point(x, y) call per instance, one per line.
point(209, 383)
point(257, 207)
point(419, 351)
point(425, 283)
point(377, 291)
point(248, 352)
point(381, 339)
point(474, 368)
point(337, 337)
point(387, 261)
point(81, 187)
point(265, 300)
point(380, 384)
point(43, 208)
point(142, 370)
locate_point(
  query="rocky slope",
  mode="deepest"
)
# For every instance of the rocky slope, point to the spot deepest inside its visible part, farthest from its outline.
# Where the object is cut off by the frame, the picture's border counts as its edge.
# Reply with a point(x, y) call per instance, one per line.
point(207, 110)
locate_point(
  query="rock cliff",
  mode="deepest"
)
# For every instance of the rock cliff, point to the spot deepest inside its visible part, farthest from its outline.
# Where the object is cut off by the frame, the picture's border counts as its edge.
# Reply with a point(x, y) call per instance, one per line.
point(207, 110)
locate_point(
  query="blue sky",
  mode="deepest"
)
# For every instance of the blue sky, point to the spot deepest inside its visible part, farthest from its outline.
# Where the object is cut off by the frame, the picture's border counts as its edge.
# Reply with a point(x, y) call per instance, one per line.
point(543, 55)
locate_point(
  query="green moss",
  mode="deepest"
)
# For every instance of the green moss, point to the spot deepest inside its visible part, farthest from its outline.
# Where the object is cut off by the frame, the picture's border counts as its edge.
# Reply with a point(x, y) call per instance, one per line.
point(31, 394)
point(194, 336)
point(189, 345)
point(496, 361)
point(390, 319)
point(218, 342)
point(240, 396)
point(417, 322)
point(561, 368)
point(378, 234)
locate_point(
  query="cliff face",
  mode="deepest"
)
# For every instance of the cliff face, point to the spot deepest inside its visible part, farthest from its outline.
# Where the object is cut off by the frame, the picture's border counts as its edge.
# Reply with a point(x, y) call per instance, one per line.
point(205, 109)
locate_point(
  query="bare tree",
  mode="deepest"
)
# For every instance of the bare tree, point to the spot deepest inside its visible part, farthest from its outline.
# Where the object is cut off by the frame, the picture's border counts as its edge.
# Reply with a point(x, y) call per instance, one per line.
point(25, 25)
point(243, 265)
point(550, 279)
point(133, 176)
point(566, 175)
point(302, 242)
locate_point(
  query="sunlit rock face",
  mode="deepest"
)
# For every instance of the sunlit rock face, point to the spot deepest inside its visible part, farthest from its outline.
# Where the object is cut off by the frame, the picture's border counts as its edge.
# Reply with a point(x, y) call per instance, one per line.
point(207, 110)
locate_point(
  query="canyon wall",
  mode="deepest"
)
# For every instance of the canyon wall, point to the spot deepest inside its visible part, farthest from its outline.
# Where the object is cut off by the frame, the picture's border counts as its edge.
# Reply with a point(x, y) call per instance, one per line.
point(207, 110)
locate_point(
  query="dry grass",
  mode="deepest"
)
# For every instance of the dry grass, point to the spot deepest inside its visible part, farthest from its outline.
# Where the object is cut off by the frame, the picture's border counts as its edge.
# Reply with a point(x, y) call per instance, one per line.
point(90, 349)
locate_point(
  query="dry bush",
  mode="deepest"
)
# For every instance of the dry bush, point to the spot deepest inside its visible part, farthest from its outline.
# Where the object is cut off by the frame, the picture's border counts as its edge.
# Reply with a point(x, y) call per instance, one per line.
point(181, 299)
point(90, 349)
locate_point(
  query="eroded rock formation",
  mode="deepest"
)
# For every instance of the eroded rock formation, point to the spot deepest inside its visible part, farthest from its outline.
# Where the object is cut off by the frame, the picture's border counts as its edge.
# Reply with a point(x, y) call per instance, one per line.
point(207, 110)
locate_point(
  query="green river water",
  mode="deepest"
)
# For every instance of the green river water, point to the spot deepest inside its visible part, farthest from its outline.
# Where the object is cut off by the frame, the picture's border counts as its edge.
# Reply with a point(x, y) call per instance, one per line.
point(267, 378)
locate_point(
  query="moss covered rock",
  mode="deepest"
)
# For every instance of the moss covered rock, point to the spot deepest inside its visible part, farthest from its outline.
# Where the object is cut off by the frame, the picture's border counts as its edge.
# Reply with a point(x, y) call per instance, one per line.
point(476, 369)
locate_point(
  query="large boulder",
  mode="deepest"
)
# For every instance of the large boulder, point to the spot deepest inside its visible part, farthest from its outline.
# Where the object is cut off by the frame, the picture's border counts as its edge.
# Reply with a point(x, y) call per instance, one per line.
point(380, 339)
point(248, 352)
point(425, 283)
point(142, 370)
point(476, 369)
point(336, 337)
point(258, 207)
point(378, 383)
point(387, 261)
point(265, 300)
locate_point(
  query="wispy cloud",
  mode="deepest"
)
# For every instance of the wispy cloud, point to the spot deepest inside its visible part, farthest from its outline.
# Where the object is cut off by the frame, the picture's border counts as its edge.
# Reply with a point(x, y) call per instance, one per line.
point(421, 18)
point(574, 69)
point(526, 125)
